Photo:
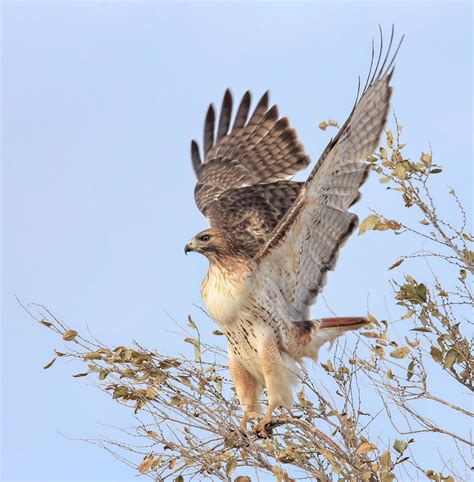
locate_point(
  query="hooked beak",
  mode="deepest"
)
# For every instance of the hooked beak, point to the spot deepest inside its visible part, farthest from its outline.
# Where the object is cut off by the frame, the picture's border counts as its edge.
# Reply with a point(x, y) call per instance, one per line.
point(187, 249)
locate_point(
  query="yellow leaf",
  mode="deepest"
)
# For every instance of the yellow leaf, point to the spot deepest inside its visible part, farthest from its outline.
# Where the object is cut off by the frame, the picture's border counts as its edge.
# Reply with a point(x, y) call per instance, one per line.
point(400, 171)
point(323, 125)
point(369, 223)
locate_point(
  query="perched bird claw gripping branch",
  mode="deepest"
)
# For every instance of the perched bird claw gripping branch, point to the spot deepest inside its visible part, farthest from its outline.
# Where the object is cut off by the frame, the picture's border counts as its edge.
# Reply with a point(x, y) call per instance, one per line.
point(272, 240)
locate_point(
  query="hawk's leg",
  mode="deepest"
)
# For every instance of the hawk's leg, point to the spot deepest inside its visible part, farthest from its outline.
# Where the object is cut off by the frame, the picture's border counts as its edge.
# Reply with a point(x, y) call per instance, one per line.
point(247, 388)
point(276, 378)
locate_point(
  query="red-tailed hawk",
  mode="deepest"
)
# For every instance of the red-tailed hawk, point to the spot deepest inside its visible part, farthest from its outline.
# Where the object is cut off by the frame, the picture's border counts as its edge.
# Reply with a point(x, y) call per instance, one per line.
point(273, 240)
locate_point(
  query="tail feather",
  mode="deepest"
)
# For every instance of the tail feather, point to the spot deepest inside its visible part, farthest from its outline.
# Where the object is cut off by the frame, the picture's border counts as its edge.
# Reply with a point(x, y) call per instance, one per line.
point(317, 332)
point(343, 324)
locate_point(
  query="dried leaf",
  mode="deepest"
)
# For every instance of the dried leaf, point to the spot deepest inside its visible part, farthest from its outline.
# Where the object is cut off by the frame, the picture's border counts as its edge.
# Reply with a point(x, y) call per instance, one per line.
point(421, 329)
point(425, 158)
point(407, 315)
point(396, 263)
point(69, 335)
point(150, 393)
point(365, 447)
point(93, 356)
point(385, 460)
point(230, 466)
point(328, 366)
point(389, 139)
point(413, 343)
point(400, 352)
point(49, 364)
point(197, 351)
point(450, 359)
point(400, 446)
point(436, 354)
point(401, 169)
point(145, 464)
point(369, 223)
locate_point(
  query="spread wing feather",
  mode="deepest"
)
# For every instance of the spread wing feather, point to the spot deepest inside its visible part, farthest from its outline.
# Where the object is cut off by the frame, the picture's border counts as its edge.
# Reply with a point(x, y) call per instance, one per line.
point(243, 182)
point(304, 245)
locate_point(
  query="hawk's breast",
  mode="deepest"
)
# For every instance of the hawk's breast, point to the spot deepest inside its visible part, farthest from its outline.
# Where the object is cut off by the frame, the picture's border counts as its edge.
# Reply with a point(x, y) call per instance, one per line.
point(224, 292)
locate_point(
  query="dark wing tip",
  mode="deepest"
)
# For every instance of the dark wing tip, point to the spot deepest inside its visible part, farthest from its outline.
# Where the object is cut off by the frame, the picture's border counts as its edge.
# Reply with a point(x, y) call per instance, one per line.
point(195, 157)
point(265, 99)
point(242, 111)
point(208, 140)
point(226, 112)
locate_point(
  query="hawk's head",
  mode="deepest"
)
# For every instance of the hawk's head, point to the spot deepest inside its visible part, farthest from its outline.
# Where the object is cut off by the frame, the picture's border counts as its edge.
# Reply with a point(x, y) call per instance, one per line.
point(212, 243)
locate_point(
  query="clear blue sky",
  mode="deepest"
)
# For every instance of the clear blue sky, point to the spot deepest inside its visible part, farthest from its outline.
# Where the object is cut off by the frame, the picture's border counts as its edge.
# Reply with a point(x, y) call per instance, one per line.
point(99, 103)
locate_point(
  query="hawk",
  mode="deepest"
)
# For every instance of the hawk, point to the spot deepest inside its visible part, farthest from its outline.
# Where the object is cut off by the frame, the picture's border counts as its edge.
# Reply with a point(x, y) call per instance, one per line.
point(273, 240)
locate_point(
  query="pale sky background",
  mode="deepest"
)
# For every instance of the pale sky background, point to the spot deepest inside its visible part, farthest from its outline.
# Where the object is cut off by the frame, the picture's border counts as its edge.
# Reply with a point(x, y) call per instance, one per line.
point(99, 103)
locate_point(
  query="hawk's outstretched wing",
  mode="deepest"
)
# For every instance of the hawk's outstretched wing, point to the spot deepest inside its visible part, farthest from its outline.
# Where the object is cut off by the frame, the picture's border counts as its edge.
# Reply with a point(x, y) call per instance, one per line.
point(305, 244)
point(244, 184)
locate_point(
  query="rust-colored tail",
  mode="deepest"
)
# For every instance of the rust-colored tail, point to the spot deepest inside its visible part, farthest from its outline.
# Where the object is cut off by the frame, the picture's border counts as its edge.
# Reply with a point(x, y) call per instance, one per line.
point(344, 324)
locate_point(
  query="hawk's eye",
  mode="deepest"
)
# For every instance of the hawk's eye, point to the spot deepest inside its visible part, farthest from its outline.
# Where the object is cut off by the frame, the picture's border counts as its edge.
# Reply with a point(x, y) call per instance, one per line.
point(205, 238)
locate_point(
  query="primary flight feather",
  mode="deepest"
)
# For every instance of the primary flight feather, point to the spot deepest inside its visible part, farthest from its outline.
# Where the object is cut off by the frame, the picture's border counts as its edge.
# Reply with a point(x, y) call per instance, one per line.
point(273, 240)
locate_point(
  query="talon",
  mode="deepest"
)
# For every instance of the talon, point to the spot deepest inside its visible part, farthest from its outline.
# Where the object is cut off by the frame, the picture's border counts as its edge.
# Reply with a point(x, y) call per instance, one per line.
point(264, 429)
